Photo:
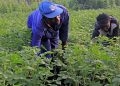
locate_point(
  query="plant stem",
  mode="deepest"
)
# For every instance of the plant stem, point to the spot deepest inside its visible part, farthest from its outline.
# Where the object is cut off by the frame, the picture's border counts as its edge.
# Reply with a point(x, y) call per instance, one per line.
point(94, 74)
point(84, 81)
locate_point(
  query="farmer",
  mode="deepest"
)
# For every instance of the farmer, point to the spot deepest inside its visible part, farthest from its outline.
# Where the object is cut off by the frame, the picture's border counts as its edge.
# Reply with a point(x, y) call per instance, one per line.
point(106, 25)
point(49, 23)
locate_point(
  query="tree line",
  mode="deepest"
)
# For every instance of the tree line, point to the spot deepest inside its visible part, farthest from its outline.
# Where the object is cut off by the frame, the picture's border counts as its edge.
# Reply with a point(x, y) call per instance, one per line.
point(85, 4)
point(8, 6)
point(89, 4)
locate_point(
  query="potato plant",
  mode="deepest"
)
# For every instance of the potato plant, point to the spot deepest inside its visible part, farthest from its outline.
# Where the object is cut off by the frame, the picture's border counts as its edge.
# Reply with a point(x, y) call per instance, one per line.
point(81, 64)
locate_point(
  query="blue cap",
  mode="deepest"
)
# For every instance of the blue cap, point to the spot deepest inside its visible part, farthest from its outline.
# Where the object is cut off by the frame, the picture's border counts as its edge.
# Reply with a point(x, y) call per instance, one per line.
point(49, 9)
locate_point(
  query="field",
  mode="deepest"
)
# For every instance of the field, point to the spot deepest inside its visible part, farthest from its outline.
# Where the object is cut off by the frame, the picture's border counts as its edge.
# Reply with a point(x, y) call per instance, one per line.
point(86, 64)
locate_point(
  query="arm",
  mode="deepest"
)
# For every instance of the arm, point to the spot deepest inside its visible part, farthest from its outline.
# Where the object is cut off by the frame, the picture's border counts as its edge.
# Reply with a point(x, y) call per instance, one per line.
point(36, 40)
point(116, 32)
point(95, 33)
point(64, 44)
point(37, 29)
point(29, 21)
point(63, 32)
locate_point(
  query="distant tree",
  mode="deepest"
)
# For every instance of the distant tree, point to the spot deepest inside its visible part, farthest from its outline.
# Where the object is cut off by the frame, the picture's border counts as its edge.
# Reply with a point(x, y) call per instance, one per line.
point(85, 1)
point(74, 5)
point(95, 6)
point(82, 4)
point(112, 3)
point(28, 1)
point(107, 3)
point(117, 2)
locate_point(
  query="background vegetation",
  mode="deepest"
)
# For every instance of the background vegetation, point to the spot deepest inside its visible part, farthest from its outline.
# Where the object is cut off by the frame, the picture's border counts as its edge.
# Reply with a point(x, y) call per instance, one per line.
point(85, 64)
point(7, 6)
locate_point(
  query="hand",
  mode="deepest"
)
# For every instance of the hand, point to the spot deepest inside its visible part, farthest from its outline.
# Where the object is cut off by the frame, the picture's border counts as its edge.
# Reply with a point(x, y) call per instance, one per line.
point(64, 44)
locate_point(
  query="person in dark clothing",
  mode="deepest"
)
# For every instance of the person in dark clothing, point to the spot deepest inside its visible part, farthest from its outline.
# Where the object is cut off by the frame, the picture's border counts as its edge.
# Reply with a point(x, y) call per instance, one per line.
point(106, 25)
point(48, 23)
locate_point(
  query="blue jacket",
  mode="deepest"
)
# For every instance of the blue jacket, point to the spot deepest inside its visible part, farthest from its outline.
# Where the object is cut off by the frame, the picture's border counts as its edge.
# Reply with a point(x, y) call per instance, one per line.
point(44, 35)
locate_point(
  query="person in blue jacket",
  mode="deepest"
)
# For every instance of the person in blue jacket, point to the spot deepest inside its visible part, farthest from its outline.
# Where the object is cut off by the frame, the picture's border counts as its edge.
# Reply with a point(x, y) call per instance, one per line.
point(49, 23)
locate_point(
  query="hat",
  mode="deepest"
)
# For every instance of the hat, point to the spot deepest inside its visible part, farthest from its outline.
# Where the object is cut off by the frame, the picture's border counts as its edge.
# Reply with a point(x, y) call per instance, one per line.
point(49, 9)
point(103, 18)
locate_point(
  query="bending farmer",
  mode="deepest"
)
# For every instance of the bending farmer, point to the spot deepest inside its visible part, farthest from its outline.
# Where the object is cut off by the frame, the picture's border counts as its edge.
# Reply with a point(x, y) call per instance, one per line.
point(106, 25)
point(49, 23)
